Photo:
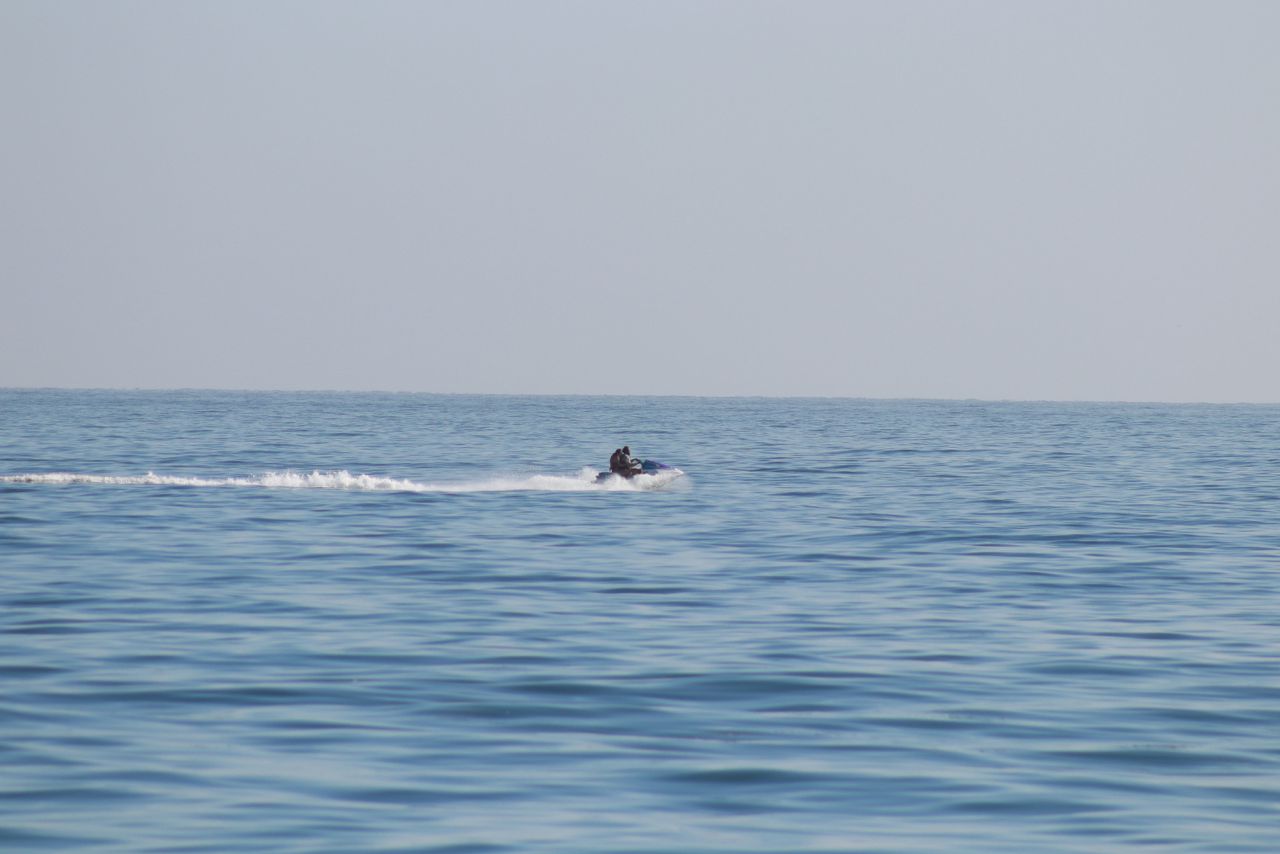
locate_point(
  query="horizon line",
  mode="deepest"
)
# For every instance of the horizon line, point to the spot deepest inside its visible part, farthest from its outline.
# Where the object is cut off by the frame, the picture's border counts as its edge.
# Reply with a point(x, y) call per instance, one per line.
point(722, 396)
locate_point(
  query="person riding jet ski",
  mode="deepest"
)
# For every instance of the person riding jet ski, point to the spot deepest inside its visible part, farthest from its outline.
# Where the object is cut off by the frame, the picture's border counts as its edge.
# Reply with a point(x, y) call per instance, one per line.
point(625, 466)
point(622, 463)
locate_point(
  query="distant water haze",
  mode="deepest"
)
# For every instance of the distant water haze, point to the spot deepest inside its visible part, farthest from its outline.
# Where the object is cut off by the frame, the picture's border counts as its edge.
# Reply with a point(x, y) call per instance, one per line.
point(1055, 200)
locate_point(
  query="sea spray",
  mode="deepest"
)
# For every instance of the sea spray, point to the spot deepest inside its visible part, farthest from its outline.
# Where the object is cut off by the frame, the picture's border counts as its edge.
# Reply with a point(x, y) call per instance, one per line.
point(584, 481)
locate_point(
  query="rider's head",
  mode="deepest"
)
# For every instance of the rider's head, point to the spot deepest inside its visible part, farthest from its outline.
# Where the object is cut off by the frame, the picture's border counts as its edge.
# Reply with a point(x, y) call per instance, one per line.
point(626, 449)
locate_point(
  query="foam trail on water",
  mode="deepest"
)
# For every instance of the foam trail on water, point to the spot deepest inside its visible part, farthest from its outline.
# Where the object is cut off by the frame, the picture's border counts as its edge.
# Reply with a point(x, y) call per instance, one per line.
point(584, 481)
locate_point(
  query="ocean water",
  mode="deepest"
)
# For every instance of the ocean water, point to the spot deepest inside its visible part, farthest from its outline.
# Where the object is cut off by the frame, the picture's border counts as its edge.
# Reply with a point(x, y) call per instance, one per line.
point(413, 623)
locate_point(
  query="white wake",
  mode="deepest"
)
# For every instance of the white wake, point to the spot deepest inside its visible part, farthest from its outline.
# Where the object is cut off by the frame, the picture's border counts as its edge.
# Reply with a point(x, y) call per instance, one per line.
point(584, 481)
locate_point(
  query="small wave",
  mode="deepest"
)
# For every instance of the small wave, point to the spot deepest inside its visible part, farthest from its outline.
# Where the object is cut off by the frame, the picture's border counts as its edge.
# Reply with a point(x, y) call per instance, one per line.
point(584, 481)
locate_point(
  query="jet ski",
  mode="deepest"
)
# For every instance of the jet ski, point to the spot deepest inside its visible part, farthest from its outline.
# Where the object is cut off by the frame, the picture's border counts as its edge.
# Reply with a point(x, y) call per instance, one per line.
point(651, 468)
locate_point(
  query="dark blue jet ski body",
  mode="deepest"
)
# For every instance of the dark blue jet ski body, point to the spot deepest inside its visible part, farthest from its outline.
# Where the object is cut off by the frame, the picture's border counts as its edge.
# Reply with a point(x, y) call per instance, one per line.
point(651, 467)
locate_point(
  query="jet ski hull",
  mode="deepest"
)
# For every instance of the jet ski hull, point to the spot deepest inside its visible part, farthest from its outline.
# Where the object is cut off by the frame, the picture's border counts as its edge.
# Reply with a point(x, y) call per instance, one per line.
point(650, 468)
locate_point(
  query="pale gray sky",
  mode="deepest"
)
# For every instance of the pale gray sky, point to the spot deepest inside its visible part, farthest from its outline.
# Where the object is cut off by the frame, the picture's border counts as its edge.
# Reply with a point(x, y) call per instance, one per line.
point(1047, 200)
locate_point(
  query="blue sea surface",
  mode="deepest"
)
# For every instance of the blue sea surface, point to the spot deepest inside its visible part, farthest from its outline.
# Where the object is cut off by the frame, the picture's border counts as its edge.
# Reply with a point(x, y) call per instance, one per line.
point(304, 622)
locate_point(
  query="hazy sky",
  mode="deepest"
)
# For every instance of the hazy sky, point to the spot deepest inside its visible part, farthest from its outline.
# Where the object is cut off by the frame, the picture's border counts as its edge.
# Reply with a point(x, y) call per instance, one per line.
point(1048, 200)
